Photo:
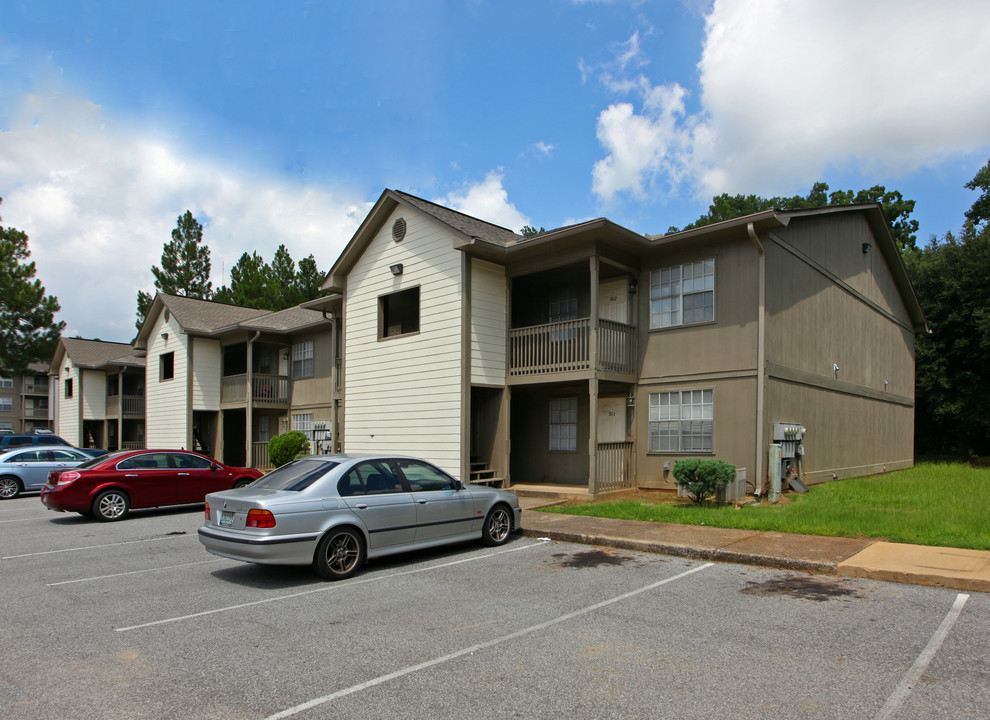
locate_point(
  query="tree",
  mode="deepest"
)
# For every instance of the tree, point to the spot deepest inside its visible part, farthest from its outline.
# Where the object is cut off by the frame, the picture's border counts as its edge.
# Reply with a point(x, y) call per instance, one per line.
point(952, 413)
point(283, 270)
point(896, 209)
point(28, 331)
point(308, 279)
point(530, 231)
point(251, 284)
point(185, 266)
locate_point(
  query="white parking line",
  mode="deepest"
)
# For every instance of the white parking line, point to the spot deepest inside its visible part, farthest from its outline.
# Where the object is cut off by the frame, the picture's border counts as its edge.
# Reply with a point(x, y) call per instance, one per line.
point(903, 688)
point(326, 588)
point(93, 547)
point(289, 712)
point(4, 522)
point(133, 572)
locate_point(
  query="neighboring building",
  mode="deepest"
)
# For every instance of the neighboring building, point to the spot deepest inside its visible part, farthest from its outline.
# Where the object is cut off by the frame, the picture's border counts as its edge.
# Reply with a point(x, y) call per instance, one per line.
point(24, 399)
point(224, 379)
point(592, 355)
point(98, 393)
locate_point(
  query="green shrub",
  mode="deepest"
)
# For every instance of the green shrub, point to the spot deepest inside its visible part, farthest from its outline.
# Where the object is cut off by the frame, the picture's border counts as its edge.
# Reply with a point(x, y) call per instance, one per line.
point(284, 448)
point(701, 478)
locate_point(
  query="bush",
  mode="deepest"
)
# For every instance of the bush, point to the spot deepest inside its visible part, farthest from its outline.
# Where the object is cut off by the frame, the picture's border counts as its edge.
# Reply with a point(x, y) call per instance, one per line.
point(701, 478)
point(284, 448)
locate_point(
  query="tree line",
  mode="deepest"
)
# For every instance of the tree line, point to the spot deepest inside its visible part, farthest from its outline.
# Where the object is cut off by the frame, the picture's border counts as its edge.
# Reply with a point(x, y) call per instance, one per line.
point(950, 276)
point(185, 270)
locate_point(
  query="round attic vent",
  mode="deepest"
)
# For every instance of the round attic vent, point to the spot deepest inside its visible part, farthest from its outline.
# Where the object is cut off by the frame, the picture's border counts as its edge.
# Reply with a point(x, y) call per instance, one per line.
point(399, 229)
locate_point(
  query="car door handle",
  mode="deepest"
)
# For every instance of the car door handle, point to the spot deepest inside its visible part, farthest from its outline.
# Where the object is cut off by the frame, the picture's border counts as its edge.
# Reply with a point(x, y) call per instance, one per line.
point(421, 501)
point(131, 475)
point(183, 473)
point(361, 506)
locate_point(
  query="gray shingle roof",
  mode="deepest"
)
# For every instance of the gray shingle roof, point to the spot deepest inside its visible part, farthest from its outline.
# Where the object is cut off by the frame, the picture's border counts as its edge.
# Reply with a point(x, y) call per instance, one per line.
point(470, 226)
point(205, 316)
point(293, 318)
point(97, 353)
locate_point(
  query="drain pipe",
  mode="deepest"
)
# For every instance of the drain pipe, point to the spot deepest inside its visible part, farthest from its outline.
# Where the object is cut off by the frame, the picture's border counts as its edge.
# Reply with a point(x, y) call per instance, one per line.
point(249, 405)
point(760, 361)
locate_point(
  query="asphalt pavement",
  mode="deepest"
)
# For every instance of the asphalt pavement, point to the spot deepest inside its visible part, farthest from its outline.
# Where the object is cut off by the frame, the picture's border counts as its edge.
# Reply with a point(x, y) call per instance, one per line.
point(954, 568)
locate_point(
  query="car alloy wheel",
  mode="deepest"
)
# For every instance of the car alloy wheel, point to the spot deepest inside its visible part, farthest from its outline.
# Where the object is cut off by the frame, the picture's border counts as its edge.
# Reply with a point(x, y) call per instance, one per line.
point(498, 525)
point(110, 505)
point(339, 555)
point(9, 488)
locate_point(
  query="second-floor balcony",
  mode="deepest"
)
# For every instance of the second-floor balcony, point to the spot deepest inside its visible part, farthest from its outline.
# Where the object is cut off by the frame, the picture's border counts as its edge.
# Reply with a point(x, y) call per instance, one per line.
point(35, 388)
point(132, 406)
point(566, 347)
point(265, 389)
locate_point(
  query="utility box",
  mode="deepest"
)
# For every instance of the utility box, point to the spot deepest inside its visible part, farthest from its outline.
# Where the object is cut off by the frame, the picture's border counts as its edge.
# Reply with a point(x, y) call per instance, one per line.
point(735, 491)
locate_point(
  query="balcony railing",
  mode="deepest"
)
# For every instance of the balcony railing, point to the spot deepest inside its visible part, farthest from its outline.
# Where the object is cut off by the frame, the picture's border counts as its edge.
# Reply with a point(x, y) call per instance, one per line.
point(36, 388)
point(265, 389)
point(259, 454)
point(133, 405)
point(565, 346)
point(35, 412)
point(613, 469)
point(132, 445)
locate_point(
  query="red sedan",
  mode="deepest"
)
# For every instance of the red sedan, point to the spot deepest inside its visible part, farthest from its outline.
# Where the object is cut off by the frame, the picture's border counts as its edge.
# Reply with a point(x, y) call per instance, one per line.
point(109, 486)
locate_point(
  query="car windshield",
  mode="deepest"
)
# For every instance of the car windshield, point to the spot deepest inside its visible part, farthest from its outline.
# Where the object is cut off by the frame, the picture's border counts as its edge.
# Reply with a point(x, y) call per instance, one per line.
point(297, 475)
point(98, 459)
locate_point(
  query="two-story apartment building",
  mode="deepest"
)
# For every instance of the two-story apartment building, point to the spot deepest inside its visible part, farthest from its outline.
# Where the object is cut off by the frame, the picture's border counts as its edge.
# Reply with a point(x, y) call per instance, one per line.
point(24, 399)
point(224, 379)
point(98, 393)
point(594, 356)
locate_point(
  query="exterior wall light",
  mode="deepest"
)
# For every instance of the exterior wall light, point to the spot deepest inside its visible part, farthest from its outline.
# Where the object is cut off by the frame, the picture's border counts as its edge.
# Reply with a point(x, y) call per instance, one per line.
point(164, 336)
point(866, 248)
point(396, 269)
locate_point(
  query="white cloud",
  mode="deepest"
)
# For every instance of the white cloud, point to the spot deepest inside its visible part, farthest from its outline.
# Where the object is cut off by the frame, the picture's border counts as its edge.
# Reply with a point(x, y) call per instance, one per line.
point(793, 90)
point(544, 149)
point(488, 201)
point(98, 201)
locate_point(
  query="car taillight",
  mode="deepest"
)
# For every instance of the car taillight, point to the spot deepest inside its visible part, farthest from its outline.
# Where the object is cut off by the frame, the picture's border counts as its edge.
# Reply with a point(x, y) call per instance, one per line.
point(260, 519)
point(67, 477)
point(207, 512)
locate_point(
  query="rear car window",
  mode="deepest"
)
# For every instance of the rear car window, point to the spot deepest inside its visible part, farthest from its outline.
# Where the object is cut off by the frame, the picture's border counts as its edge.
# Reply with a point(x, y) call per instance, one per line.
point(297, 475)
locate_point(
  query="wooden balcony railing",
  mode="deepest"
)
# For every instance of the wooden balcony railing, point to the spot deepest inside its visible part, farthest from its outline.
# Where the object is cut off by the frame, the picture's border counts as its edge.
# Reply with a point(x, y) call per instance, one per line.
point(265, 389)
point(565, 346)
point(133, 405)
point(259, 456)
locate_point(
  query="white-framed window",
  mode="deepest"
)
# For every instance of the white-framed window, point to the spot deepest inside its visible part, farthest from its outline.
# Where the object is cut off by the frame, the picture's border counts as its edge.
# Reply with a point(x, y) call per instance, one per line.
point(7, 426)
point(264, 428)
point(302, 360)
point(166, 365)
point(6, 404)
point(398, 313)
point(303, 422)
point(563, 424)
point(6, 383)
point(682, 421)
point(683, 294)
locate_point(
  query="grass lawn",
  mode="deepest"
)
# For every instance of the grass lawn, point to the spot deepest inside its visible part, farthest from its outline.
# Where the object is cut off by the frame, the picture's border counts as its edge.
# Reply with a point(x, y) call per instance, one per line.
point(930, 504)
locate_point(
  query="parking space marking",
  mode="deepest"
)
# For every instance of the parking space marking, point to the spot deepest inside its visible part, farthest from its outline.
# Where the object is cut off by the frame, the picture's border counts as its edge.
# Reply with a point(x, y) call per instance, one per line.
point(289, 712)
point(327, 588)
point(133, 572)
point(30, 519)
point(95, 547)
point(903, 688)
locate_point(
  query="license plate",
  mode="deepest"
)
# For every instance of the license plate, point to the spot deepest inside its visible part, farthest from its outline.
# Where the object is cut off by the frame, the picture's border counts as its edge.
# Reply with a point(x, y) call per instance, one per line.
point(226, 518)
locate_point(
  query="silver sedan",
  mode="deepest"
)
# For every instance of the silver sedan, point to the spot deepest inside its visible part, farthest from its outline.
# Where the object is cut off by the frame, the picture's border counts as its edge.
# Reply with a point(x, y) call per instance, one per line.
point(26, 468)
point(334, 512)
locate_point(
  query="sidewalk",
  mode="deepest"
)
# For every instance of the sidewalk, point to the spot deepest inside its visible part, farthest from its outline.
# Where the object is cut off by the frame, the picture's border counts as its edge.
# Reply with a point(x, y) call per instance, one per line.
point(850, 557)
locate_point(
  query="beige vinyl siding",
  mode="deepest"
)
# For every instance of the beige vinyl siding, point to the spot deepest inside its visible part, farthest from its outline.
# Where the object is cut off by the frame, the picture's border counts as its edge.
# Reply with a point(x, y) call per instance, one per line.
point(488, 324)
point(313, 391)
point(68, 408)
point(167, 411)
point(94, 398)
point(403, 394)
point(207, 359)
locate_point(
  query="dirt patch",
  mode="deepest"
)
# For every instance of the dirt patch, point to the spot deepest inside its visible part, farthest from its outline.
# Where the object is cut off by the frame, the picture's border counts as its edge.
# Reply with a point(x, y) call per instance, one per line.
point(591, 559)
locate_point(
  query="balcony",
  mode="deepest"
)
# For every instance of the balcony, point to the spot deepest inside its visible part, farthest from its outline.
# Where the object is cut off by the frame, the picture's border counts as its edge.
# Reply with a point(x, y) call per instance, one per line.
point(133, 406)
point(35, 388)
point(266, 390)
point(566, 347)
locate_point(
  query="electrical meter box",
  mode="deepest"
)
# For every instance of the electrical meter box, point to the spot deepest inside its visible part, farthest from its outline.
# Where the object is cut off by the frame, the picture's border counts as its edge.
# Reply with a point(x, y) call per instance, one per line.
point(790, 436)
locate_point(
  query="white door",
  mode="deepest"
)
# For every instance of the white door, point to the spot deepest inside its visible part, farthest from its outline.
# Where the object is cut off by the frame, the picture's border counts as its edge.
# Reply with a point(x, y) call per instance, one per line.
point(613, 297)
point(611, 419)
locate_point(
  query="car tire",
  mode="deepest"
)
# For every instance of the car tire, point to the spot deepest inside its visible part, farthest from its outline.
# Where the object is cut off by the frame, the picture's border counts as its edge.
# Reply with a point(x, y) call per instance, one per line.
point(243, 482)
point(497, 527)
point(111, 505)
point(10, 487)
point(340, 554)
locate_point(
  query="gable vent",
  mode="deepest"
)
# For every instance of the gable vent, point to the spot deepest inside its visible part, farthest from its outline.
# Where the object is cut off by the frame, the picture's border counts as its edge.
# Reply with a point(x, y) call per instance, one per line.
point(399, 229)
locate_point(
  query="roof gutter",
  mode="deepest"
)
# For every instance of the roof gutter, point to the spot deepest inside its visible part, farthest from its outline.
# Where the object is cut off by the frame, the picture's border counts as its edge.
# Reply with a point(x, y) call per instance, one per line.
point(761, 376)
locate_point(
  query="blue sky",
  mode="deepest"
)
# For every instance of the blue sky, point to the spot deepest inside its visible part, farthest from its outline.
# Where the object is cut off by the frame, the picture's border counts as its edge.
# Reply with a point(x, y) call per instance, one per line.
point(283, 122)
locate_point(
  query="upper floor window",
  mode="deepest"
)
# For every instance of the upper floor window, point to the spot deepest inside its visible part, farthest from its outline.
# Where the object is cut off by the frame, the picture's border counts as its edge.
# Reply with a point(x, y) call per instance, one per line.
point(112, 388)
point(682, 421)
point(683, 294)
point(398, 313)
point(68, 388)
point(166, 365)
point(6, 383)
point(302, 359)
point(6, 404)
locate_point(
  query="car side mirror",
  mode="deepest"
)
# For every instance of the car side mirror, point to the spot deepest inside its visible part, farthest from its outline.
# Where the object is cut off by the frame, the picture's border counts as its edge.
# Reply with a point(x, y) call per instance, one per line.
point(214, 467)
point(458, 485)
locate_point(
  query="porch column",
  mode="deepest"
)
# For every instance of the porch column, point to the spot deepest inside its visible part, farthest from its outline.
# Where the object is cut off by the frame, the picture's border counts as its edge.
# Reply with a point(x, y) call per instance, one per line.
point(120, 409)
point(593, 435)
point(593, 266)
point(249, 404)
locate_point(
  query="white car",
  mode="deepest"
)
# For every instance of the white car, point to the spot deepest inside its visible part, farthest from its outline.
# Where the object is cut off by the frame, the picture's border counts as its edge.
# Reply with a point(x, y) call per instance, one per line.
point(26, 468)
point(334, 512)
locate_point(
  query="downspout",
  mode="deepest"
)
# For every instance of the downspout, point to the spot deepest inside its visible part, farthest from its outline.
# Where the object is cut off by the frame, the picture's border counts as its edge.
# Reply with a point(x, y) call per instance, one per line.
point(249, 406)
point(760, 361)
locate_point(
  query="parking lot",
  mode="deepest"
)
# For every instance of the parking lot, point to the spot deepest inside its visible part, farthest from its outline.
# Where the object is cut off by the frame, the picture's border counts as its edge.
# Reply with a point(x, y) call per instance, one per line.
point(135, 620)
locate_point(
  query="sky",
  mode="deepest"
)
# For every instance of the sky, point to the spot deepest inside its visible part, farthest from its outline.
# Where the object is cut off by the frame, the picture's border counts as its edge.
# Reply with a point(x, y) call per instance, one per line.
point(282, 123)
